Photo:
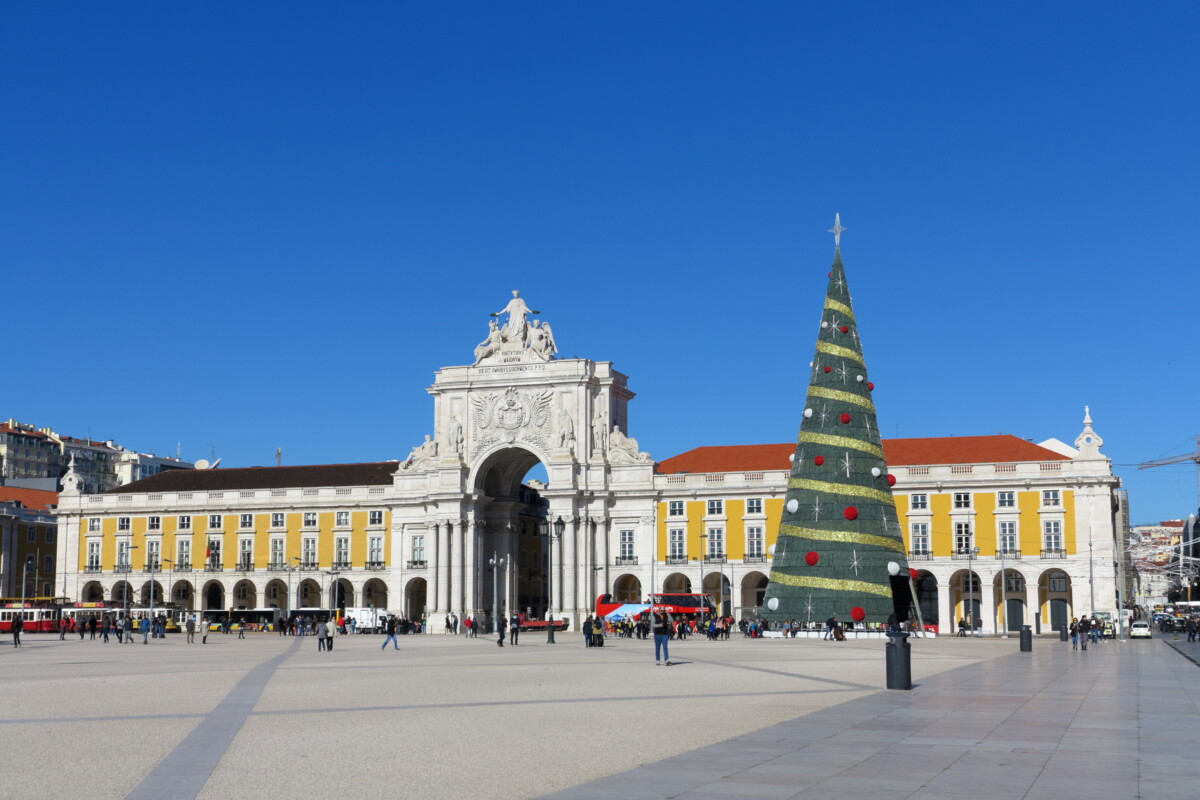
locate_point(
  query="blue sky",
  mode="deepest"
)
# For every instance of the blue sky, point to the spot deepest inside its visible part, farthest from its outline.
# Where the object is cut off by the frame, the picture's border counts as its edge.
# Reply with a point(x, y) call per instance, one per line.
point(250, 226)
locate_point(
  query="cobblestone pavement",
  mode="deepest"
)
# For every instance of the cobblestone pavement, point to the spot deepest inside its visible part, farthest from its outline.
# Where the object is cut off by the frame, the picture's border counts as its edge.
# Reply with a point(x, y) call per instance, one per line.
point(454, 717)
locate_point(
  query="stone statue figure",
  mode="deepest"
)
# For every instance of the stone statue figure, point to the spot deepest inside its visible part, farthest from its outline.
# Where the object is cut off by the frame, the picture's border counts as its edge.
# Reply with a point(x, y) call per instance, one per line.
point(71, 482)
point(491, 345)
point(566, 431)
point(599, 432)
point(515, 327)
point(623, 449)
point(426, 449)
point(541, 342)
point(455, 437)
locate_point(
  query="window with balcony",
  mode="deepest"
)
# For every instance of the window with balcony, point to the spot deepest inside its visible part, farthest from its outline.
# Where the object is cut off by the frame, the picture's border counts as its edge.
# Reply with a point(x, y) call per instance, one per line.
point(418, 550)
point(277, 560)
point(1008, 537)
point(919, 535)
point(627, 545)
point(754, 543)
point(676, 544)
point(308, 552)
point(919, 502)
point(716, 543)
point(153, 555)
point(212, 555)
point(245, 554)
point(1052, 537)
point(341, 552)
point(183, 554)
point(963, 540)
point(375, 551)
point(1006, 499)
point(754, 506)
point(93, 555)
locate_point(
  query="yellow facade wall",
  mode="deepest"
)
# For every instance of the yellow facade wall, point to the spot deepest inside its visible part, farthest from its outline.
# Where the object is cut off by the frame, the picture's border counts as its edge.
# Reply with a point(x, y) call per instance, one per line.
point(986, 535)
point(941, 529)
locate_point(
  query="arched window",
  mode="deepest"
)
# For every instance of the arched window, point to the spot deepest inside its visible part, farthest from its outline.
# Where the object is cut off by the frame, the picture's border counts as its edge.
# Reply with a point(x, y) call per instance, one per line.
point(1057, 582)
point(1013, 582)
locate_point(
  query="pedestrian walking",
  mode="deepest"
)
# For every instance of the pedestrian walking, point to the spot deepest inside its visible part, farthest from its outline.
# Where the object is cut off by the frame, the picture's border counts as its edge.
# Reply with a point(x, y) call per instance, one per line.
point(661, 624)
point(322, 635)
point(389, 628)
point(500, 634)
point(587, 631)
point(1085, 630)
point(64, 623)
point(145, 630)
point(18, 625)
point(242, 630)
point(191, 629)
point(514, 628)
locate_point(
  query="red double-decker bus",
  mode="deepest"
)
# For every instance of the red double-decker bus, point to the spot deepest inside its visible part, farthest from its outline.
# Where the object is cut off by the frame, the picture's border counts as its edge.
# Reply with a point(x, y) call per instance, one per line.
point(681, 606)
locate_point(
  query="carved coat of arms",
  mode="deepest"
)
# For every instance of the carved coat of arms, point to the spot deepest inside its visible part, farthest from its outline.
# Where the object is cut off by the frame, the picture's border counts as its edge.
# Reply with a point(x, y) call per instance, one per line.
point(511, 417)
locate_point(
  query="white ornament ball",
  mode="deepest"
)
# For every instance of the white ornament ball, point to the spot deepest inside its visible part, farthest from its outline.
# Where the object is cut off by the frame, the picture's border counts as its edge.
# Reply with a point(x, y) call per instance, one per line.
point(792, 505)
point(824, 324)
point(808, 413)
point(860, 378)
point(893, 568)
point(876, 472)
point(773, 604)
point(792, 457)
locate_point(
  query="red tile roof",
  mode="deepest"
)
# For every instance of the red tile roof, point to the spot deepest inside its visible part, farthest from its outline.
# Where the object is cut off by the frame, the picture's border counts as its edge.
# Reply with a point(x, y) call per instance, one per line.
point(897, 452)
point(313, 475)
point(30, 498)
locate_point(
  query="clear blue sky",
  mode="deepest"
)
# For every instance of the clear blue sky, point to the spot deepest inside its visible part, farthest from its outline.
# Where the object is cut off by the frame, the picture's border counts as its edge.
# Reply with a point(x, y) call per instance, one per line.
point(261, 225)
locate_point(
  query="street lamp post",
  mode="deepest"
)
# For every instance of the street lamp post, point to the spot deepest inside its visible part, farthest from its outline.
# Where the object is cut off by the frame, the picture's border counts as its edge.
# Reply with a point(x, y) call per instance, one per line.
point(128, 565)
point(290, 570)
point(333, 576)
point(559, 526)
point(972, 617)
point(496, 563)
point(1003, 593)
point(170, 593)
point(700, 586)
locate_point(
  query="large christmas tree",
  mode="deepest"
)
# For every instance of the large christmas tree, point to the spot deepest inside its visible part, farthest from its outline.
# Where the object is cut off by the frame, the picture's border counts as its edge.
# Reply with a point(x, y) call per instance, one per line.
point(839, 550)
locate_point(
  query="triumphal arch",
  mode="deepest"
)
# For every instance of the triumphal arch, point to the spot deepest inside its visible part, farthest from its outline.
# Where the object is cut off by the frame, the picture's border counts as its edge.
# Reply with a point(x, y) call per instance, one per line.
point(486, 532)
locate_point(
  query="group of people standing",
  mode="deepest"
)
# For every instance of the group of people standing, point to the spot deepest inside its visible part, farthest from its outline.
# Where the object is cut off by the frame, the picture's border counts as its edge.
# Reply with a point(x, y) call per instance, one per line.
point(1084, 630)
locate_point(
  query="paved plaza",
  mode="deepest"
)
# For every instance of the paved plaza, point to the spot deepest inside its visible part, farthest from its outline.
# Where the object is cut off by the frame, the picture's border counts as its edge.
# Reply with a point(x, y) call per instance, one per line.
point(460, 718)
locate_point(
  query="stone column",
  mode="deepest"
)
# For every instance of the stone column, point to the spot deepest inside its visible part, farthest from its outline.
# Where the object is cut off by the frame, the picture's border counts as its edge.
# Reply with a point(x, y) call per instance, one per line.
point(987, 603)
point(570, 566)
point(948, 625)
point(457, 593)
point(471, 565)
point(432, 569)
point(442, 545)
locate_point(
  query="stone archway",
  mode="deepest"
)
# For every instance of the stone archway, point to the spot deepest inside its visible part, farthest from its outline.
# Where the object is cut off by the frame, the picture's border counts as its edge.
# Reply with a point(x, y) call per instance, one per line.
point(754, 588)
point(214, 596)
point(1055, 599)
point(415, 598)
point(375, 594)
point(93, 592)
point(277, 594)
point(309, 594)
point(1015, 615)
point(342, 594)
point(182, 596)
point(627, 589)
point(967, 591)
point(927, 598)
point(152, 594)
point(720, 591)
point(677, 583)
point(245, 594)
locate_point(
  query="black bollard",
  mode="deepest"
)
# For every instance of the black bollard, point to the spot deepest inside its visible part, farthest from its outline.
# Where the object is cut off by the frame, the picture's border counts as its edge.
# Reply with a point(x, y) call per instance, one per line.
point(1062, 632)
point(1026, 639)
point(899, 661)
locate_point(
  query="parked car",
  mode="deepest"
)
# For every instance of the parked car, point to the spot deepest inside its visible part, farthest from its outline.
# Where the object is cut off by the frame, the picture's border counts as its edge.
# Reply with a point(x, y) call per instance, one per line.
point(1140, 630)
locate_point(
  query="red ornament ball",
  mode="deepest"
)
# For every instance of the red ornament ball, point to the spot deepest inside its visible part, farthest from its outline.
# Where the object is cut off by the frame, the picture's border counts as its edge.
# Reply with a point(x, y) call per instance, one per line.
point(912, 573)
point(811, 558)
point(818, 460)
point(850, 513)
point(891, 479)
point(845, 418)
point(828, 274)
point(857, 614)
point(845, 329)
point(829, 369)
point(870, 386)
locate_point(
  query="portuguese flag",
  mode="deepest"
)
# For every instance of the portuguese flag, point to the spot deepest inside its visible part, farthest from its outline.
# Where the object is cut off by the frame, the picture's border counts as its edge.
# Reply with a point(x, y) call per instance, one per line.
point(839, 550)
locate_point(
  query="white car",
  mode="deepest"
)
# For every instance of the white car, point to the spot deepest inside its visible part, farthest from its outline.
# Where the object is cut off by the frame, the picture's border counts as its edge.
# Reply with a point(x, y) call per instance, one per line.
point(1139, 630)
